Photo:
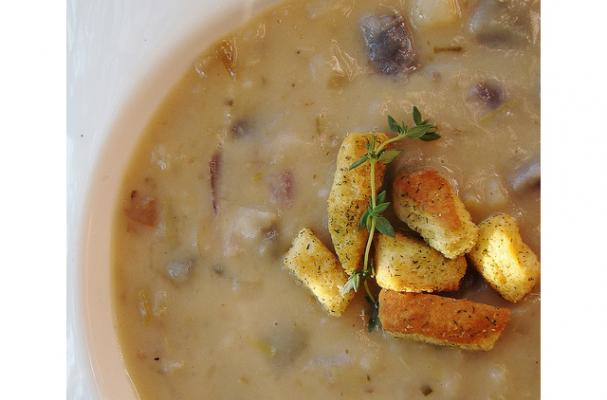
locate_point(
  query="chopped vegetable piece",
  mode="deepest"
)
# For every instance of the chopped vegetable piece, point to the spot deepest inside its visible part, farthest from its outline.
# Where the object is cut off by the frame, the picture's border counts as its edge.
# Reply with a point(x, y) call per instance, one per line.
point(241, 128)
point(282, 187)
point(179, 270)
point(142, 209)
point(527, 176)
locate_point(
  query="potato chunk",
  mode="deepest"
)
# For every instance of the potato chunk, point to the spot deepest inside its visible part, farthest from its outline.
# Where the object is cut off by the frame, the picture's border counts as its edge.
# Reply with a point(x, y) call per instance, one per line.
point(315, 265)
point(427, 203)
point(349, 198)
point(409, 265)
point(441, 320)
point(503, 259)
point(435, 13)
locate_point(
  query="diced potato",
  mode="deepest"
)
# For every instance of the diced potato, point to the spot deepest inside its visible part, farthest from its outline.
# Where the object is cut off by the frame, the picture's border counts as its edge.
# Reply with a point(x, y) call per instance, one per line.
point(435, 13)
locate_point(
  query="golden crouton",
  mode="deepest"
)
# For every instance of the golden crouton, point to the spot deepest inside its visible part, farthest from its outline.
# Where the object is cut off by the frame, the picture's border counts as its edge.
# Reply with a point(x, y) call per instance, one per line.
point(506, 263)
point(427, 203)
point(441, 320)
point(409, 265)
point(318, 269)
point(349, 198)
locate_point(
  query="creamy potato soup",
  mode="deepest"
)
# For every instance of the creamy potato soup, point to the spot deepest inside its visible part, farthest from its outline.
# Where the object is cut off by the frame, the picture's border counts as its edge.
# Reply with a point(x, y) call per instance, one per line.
point(241, 156)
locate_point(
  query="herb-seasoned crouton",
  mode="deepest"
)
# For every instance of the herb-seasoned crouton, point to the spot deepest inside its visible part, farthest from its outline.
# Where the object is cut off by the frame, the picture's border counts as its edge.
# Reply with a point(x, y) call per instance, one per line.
point(441, 320)
point(503, 259)
point(349, 199)
point(427, 203)
point(318, 269)
point(409, 265)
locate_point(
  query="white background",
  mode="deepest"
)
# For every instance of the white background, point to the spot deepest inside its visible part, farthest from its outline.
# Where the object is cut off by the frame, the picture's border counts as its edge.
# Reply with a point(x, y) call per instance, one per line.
point(33, 175)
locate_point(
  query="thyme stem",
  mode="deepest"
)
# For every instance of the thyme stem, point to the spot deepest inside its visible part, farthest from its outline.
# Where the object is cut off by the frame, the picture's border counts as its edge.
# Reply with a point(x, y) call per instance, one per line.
point(372, 228)
point(372, 218)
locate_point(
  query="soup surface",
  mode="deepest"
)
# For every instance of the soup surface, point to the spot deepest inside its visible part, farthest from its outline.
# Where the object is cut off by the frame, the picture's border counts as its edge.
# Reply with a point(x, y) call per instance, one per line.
point(241, 156)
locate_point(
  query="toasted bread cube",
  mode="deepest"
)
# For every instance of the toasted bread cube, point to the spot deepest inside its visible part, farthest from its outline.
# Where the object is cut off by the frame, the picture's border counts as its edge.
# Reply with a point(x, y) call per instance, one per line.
point(427, 203)
point(349, 198)
point(503, 259)
point(409, 265)
point(435, 13)
point(441, 320)
point(315, 265)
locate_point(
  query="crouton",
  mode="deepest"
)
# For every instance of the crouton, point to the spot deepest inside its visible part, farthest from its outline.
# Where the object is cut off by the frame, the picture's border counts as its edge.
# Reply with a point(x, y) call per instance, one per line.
point(349, 198)
point(441, 320)
point(427, 203)
point(503, 259)
point(409, 265)
point(318, 269)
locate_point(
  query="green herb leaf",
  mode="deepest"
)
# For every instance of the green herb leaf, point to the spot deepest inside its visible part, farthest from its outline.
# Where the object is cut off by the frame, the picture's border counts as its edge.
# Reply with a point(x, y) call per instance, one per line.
point(429, 136)
point(384, 226)
point(363, 220)
point(381, 197)
point(359, 162)
point(394, 126)
point(387, 156)
point(417, 116)
point(418, 131)
point(374, 322)
point(352, 284)
point(380, 208)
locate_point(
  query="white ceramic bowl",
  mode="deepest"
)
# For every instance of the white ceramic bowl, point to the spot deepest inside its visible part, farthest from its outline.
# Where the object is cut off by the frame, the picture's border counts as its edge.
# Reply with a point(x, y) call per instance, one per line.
point(123, 57)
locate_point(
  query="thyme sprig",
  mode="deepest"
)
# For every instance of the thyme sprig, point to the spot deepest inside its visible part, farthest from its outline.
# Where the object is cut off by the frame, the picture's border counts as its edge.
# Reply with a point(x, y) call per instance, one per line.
point(372, 218)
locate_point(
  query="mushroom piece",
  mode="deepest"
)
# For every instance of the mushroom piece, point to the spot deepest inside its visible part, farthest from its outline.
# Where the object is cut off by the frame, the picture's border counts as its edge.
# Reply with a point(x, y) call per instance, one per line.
point(389, 43)
point(241, 128)
point(499, 23)
point(488, 92)
point(526, 176)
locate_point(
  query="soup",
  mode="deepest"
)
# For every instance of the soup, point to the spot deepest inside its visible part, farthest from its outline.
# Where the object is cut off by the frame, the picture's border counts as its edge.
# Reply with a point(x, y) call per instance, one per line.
point(241, 155)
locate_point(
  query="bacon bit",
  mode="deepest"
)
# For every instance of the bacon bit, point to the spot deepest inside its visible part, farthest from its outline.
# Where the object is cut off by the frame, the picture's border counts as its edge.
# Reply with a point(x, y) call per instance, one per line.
point(226, 51)
point(281, 187)
point(215, 169)
point(142, 209)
